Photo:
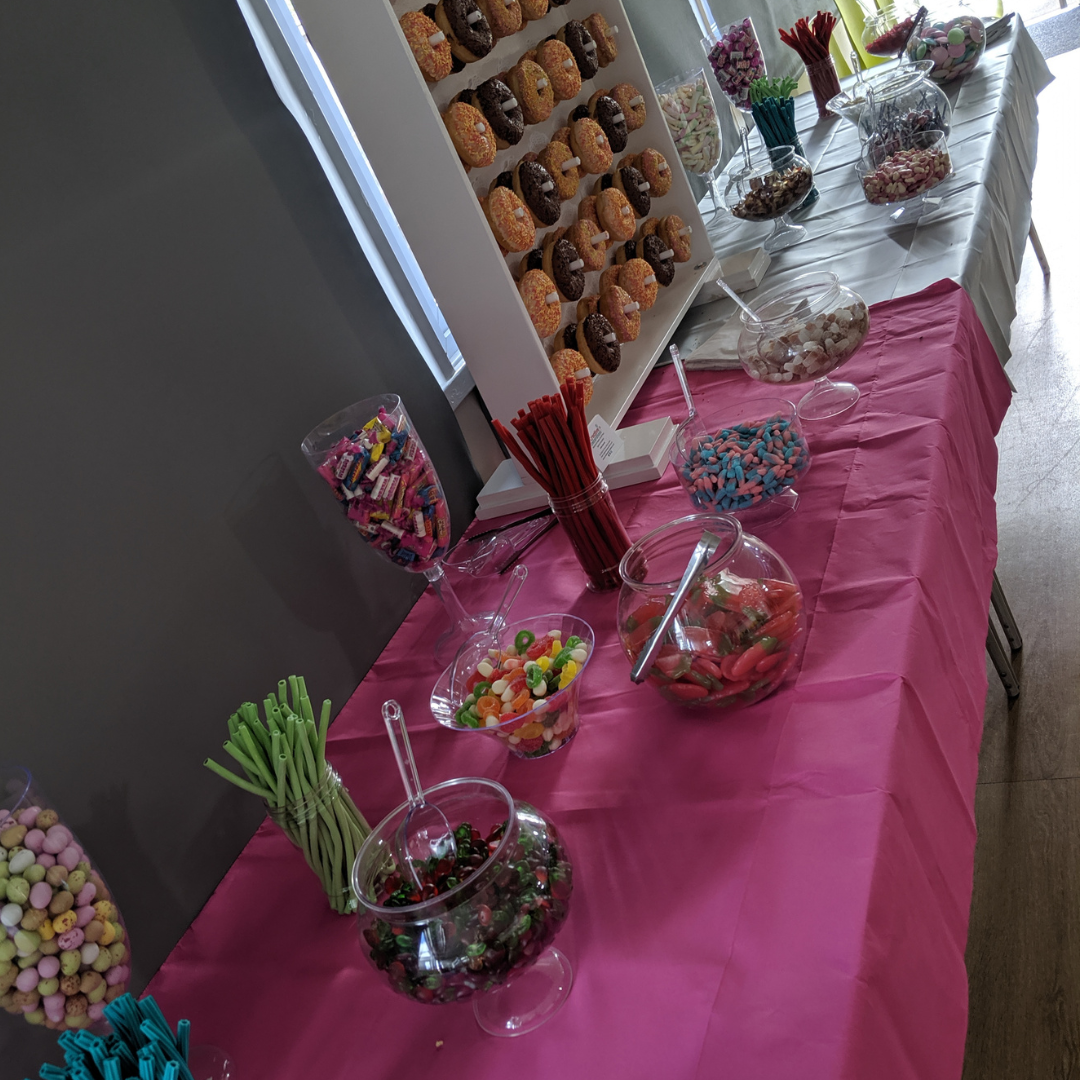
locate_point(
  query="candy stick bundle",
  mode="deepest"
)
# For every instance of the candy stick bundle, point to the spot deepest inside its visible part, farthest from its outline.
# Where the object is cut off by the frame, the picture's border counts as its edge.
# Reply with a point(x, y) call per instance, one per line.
point(555, 450)
point(142, 1047)
point(284, 762)
point(810, 39)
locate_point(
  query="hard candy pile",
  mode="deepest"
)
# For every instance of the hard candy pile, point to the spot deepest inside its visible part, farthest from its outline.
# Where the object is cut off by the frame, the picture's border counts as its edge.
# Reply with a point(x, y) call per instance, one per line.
point(691, 119)
point(809, 349)
point(736, 62)
point(744, 465)
point(955, 46)
point(62, 951)
point(390, 491)
point(774, 194)
point(905, 174)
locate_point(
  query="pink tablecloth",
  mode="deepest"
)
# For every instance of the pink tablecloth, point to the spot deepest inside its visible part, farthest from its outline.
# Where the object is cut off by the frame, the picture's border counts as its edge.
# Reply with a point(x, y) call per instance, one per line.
point(779, 893)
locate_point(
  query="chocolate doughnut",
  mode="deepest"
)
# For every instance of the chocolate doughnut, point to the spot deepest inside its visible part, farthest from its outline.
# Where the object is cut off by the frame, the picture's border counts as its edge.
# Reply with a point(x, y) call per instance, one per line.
point(596, 341)
point(580, 42)
point(456, 64)
point(534, 260)
point(650, 248)
point(607, 112)
point(469, 41)
point(566, 338)
point(504, 179)
point(508, 127)
point(558, 258)
point(635, 187)
point(529, 181)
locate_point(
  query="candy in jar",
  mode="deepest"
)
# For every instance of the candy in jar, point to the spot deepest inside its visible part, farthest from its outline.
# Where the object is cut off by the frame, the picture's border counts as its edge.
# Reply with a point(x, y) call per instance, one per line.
point(690, 114)
point(736, 61)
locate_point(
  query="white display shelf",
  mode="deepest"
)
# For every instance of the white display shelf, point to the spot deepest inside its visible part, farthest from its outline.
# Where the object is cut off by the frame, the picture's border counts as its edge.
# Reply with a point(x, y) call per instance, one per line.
point(396, 117)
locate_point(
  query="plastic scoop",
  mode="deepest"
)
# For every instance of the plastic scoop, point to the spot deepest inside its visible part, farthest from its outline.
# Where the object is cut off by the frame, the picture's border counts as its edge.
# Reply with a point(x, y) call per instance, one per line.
point(424, 832)
point(706, 546)
point(856, 66)
point(486, 639)
point(680, 371)
point(737, 298)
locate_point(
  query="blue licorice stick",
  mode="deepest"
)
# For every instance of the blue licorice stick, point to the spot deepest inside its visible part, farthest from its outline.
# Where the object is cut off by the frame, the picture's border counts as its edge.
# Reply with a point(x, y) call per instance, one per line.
point(112, 1069)
point(172, 1071)
point(151, 1011)
point(183, 1037)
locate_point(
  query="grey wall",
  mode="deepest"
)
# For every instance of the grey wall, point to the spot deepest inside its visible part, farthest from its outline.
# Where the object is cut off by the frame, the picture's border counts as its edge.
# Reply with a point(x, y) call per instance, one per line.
point(180, 301)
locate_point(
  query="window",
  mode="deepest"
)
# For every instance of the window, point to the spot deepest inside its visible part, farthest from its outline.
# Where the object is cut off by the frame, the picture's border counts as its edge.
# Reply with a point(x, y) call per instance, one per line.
point(305, 90)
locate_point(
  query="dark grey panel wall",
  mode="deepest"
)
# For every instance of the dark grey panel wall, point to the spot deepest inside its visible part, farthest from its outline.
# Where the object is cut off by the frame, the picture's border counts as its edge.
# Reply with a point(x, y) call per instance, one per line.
point(180, 301)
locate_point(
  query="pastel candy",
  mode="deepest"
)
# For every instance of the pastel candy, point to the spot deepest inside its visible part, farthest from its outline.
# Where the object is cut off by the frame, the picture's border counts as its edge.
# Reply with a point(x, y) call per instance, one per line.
point(28, 816)
point(939, 54)
point(71, 939)
point(69, 857)
point(86, 895)
point(56, 839)
point(84, 916)
point(69, 961)
point(33, 840)
point(49, 967)
point(10, 914)
point(956, 50)
point(52, 1003)
point(89, 952)
point(28, 979)
point(96, 1011)
point(40, 895)
point(46, 860)
point(48, 986)
point(117, 974)
point(20, 861)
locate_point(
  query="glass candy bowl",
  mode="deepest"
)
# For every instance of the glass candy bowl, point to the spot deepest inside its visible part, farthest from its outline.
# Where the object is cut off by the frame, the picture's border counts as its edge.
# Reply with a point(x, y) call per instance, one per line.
point(803, 330)
point(740, 629)
point(745, 464)
point(891, 173)
point(775, 182)
point(851, 102)
point(690, 113)
point(531, 707)
point(482, 925)
point(955, 43)
point(887, 30)
point(904, 105)
point(63, 946)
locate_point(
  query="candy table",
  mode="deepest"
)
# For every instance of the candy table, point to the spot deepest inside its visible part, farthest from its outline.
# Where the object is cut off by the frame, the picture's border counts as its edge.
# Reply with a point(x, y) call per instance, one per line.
point(779, 893)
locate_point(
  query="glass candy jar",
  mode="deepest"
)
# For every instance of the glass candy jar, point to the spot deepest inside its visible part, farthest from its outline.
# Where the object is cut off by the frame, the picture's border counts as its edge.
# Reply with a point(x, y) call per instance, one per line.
point(481, 926)
point(801, 331)
point(740, 629)
point(905, 103)
point(775, 182)
point(953, 40)
point(886, 29)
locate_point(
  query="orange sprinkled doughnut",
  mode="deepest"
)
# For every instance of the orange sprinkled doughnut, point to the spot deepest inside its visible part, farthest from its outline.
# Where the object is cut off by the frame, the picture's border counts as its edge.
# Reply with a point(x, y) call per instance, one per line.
point(532, 10)
point(471, 135)
point(541, 301)
point(569, 363)
point(588, 141)
point(562, 135)
point(509, 219)
point(587, 306)
point(636, 276)
point(616, 214)
point(503, 16)
point(610, 276)
point(656, 170)
point(622, 311)
point(676, 234)
point(434, 60)
point(591, 243)
point(561, 67)
point(632, 103)
point(607, 47)
point(648, 227)
point(533, 90)
point(586, 210)
point(553, 157)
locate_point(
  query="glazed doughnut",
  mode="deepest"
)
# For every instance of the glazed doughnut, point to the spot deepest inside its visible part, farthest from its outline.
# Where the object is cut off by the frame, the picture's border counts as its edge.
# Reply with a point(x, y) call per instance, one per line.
point(464, 24)
point(561, 67)
point(554, 157)
point(588, 141)
point(632, 103)
point(607, 112)
point(490, 97)
point(597, 342)
point(429, 45)
point(616, 214)
point(676, 234)
point(636, 276)
point(532, 88)
point(622, 311)
point(509, 219)
point(604, 36)
point(531, 10)
point(569, 363)
point(562, 263)
point(541, 301)
point(503, 16)
point(591, 243)
point(610, 276)
point(656, 170)
point(581, 44)
point(587, 306)
point(473, 139)
point(534, 186)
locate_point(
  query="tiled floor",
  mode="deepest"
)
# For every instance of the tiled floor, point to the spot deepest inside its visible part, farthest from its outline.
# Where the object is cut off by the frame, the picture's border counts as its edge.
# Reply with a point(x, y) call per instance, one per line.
point(1024, 942)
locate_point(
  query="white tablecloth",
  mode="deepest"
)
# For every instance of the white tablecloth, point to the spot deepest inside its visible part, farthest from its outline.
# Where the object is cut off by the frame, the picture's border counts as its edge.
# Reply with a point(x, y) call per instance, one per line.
point(977, 235)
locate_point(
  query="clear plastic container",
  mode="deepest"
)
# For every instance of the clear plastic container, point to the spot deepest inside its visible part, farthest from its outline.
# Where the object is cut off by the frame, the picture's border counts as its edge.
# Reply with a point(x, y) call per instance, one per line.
point(596, 532)
point(738, 633)
point(481, 927)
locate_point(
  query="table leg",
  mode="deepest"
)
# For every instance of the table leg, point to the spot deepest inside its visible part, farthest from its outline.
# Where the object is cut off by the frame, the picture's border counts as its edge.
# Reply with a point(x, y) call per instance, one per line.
point(1001, 663)
point(1005, 615)
point(1036, 244)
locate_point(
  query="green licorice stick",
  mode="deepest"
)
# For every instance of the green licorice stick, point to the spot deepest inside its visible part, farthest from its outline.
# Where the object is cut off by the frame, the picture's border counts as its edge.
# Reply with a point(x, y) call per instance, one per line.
point(279, 770)
point(233, 721)
point(312, 733)
point(282, 691)
point(244, 758)
point(261, 734)
point(258, 758)
point(294, 694)
point(275, 753)
point(225, 774)
point(309, 758)
point(290, 734)
point(306, 710)
point(324, 723)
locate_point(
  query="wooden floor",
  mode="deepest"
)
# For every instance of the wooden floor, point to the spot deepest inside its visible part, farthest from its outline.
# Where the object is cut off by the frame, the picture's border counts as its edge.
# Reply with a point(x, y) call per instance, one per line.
point(1023, 951)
